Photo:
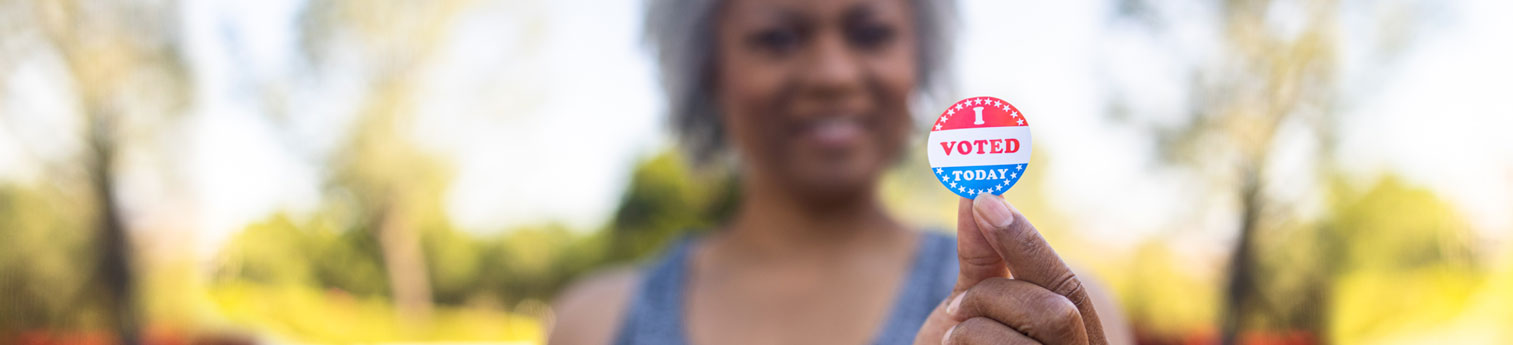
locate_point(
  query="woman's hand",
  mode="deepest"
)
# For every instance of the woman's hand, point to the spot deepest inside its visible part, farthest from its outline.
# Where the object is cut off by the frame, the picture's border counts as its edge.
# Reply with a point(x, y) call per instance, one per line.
point(1043, 303)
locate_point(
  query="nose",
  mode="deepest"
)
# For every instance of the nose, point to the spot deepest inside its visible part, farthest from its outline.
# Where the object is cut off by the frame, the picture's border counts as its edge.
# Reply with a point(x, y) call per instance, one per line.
point(833, 70)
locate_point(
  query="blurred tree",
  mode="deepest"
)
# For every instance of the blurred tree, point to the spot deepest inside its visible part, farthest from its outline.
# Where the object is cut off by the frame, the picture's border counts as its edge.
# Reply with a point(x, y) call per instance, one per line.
point(1270, 82)
point(396, 188)
point(122, 62)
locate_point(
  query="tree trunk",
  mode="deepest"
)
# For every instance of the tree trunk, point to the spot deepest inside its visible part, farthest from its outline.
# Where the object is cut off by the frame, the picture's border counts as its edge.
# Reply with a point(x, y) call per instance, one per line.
point(114, 247)
point(404, 259)
point(1241, 287)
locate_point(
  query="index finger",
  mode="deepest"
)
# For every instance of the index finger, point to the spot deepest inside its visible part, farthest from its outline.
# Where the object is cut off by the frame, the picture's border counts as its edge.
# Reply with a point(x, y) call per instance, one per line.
point(1031, 259)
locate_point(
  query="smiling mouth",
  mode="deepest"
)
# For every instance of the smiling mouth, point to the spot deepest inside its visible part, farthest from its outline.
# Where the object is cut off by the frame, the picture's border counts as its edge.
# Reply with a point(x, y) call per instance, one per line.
point(832, 131)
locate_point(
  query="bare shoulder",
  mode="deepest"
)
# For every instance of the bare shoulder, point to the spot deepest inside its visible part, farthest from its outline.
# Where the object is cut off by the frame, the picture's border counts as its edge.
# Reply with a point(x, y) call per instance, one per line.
point(589, 311)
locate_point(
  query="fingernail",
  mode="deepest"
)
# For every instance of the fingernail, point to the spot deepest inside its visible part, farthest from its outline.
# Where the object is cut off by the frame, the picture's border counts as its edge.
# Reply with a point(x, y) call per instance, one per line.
point(993, 210)
point(945, 339)
point(955, 304)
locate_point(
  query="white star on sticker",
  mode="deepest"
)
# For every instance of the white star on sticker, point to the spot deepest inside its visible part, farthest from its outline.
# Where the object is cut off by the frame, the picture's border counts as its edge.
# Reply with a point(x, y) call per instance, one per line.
point(1013, 175)
point(961, 189)
point(958, 106)
point(1005, 107)
point(1000, 187)
point(995, 103)
point(1019, 167)
point(1021, 122)
point(953, 184)
point(950, 111)
point(937, 127)
point(945, 178)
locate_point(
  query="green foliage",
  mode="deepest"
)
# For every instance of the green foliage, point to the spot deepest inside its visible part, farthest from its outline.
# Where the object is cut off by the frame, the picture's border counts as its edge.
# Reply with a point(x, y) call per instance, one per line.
point(319, 281)
point(1394, 227)
point(664, 200)
point(277, 251)
point(1382, 258)
point(294, 276)
point(333, 251)
point(46, 257)
point(1406, 260)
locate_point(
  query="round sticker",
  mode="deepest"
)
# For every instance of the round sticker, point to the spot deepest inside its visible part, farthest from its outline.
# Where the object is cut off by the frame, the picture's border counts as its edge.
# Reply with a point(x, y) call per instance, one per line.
point(979, 145)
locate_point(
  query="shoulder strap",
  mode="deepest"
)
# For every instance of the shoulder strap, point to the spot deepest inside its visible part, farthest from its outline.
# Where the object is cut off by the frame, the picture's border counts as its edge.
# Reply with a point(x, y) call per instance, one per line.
point(655, 315)
point(929, 282)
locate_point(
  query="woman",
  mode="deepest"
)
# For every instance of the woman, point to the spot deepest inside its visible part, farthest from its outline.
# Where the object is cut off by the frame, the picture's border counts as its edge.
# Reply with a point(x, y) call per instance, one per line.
point(812, 97)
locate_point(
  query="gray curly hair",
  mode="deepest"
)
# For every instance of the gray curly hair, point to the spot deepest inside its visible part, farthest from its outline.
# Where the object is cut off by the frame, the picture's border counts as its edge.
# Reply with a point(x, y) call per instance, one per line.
point(681, 35)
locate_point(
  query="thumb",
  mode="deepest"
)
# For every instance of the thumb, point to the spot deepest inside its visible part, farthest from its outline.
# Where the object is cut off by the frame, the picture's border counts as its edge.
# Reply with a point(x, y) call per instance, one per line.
point(974, 253)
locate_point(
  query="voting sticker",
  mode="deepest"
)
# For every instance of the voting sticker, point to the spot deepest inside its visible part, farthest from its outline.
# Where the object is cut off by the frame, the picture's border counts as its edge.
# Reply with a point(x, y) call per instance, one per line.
point(979, 145)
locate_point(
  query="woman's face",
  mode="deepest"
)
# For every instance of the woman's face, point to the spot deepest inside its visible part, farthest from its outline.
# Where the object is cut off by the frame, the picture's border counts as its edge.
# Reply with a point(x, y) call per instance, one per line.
point(815, 93)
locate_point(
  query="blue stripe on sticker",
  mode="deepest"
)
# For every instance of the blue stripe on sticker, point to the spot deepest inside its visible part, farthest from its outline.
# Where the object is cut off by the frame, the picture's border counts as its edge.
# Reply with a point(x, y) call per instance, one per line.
point(968, 181)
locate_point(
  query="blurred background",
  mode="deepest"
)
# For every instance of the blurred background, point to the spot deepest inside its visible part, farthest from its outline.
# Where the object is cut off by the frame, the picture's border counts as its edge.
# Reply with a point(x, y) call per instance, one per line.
point(352, 171)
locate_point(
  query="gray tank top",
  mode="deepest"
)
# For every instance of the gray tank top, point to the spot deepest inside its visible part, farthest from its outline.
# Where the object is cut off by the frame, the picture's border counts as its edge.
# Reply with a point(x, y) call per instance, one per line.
point(655, 315)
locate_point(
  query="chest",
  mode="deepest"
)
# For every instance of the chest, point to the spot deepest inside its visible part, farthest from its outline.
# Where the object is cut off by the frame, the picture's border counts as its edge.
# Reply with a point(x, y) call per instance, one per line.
point(793, 306)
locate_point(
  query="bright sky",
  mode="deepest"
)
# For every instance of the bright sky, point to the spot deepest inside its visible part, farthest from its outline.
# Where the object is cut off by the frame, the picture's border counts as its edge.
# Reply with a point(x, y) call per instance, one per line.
point(510, 96)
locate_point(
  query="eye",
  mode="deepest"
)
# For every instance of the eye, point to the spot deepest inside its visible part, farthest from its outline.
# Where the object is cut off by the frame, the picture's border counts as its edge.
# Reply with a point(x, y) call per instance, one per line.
point(777, 41)
point(870, 36)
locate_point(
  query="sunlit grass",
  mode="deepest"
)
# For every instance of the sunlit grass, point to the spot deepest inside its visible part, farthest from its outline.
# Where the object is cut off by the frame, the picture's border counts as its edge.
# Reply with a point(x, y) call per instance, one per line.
point(310, 315)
